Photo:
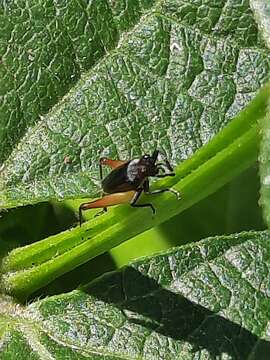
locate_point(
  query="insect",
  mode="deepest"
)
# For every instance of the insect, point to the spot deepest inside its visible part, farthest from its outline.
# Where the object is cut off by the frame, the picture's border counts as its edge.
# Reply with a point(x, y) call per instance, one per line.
point(128, 180)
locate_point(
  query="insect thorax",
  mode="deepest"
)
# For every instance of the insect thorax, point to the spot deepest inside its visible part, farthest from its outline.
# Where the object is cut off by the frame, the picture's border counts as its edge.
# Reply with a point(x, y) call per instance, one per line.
point(132, 170)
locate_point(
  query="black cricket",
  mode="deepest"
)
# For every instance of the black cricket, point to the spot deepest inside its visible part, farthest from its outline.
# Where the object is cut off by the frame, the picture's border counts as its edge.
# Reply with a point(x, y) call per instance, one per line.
point(128, 179)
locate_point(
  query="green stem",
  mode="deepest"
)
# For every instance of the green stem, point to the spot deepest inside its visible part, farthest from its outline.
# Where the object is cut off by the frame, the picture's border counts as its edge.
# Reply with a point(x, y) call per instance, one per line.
point(21, 280)
point(233, 150)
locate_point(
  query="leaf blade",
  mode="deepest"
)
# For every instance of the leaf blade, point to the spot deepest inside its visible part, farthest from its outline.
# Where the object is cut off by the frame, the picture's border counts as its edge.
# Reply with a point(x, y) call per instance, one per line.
point(196, 81)
point(180, 299)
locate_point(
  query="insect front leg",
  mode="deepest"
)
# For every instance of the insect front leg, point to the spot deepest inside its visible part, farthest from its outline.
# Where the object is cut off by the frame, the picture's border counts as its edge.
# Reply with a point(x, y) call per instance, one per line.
point(159, 191)
point(135, 198)
point(165, 174)
point(162, 165)
point(168, 165)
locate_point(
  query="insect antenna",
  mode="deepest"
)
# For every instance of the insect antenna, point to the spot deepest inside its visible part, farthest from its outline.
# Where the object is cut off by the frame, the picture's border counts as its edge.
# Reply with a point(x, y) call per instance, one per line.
point(155, 155)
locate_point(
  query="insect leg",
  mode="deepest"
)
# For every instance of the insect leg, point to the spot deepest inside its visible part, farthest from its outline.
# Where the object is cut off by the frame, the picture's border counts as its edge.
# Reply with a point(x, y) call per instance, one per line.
point(164, 175)
point(100, 170)
point(101, 178)
point(164, 165)
point(168, 165)
point(159, 191)
point(155, 155)
point(135, 198)
point(105, 201)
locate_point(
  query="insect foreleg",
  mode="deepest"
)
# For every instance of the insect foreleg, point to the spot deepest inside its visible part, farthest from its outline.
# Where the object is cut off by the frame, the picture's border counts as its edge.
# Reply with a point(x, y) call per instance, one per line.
point(135, 198)
point(164, 175)
point(159, 191)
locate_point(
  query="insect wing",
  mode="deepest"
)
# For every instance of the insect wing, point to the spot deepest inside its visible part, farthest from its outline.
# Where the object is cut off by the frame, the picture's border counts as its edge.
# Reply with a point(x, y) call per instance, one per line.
point(117, 181)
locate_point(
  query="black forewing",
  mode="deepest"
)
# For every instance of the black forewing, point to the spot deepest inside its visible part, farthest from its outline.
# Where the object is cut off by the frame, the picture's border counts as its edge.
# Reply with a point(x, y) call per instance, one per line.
point(117, 181)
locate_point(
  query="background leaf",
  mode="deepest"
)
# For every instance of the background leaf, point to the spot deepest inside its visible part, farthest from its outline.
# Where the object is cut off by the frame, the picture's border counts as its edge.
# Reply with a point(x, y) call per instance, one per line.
point(45, 47)
point(265, 167)
point(167, 74)
point(173, 81)
point(210, 299)
point(261, 10)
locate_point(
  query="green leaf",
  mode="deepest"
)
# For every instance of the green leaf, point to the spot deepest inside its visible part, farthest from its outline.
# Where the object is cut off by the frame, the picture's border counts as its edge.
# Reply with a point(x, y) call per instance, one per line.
point(261, 10)
point(265, 166)
point(172, 81)
point(209, 299)
point(45, 48)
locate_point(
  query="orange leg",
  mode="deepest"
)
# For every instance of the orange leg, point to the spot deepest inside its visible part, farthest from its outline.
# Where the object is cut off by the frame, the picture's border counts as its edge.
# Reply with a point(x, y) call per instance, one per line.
point(107, 200)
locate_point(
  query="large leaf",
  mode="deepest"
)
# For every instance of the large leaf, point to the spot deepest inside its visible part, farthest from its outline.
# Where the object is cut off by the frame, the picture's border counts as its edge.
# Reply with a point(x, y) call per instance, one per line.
point(265, 166)
point(45, 47)
point(207, 300)
point(261, 9)
point(179, 74)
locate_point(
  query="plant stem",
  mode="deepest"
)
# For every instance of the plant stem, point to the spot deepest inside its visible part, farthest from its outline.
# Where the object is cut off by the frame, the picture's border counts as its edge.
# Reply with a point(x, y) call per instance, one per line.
point(25, 274)
point(232, 151)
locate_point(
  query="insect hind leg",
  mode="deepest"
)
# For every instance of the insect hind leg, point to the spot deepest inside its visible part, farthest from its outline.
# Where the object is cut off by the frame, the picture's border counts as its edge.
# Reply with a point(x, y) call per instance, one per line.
point(105, 201)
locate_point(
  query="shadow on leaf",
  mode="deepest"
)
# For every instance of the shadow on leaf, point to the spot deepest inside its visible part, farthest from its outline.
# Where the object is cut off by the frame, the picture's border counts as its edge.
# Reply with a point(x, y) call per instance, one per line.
point(144, 302)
